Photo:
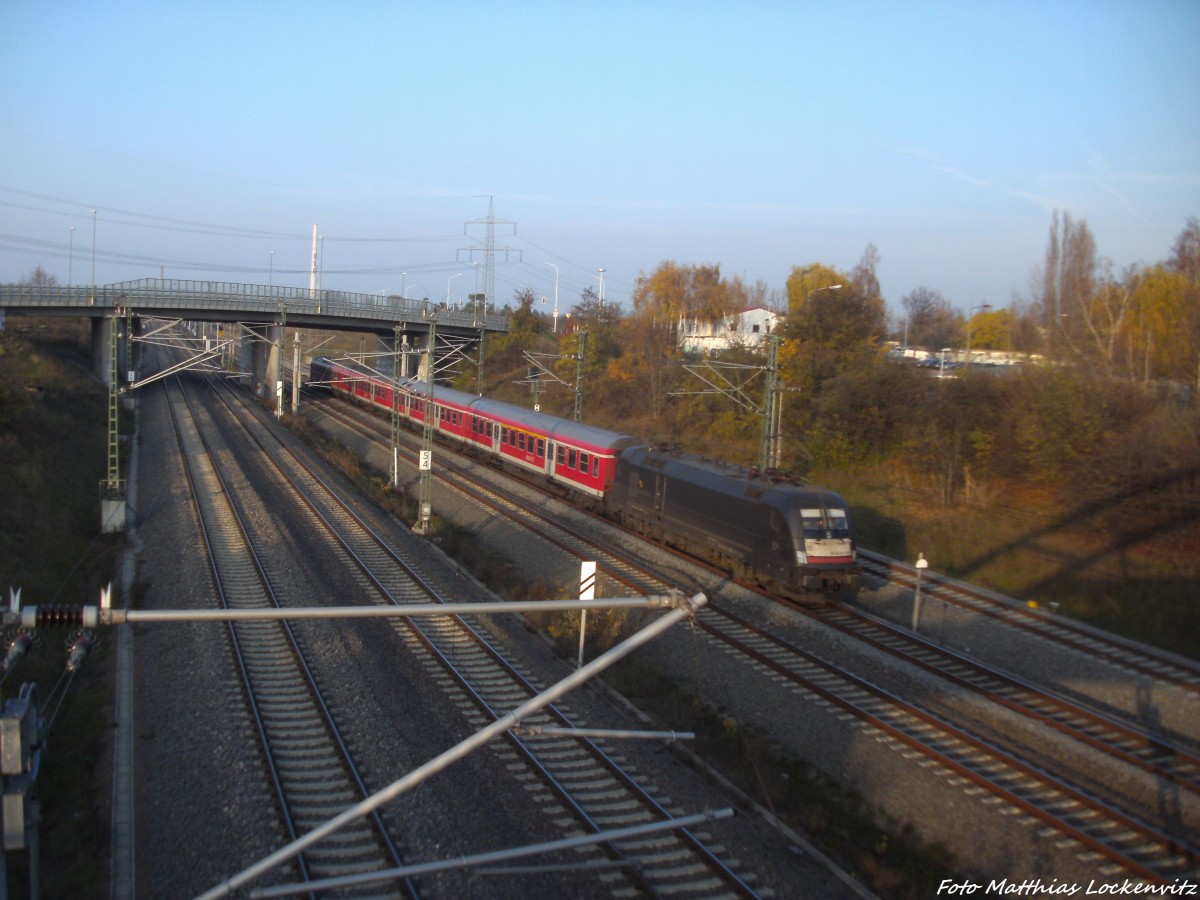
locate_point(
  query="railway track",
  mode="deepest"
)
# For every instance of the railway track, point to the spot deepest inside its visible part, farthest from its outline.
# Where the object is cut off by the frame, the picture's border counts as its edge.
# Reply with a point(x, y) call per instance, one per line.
point(1125, 743)
point(578, 782)
point(313, 774)
point(1136, 659)
point(1083, 821)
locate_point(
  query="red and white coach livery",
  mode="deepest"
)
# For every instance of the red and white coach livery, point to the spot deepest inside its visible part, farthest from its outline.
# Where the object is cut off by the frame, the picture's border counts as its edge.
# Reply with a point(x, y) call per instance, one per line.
point(581, 458)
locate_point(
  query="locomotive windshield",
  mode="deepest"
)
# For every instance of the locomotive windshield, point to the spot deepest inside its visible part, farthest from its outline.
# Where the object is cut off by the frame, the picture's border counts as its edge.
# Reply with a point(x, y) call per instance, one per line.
point(824, 522)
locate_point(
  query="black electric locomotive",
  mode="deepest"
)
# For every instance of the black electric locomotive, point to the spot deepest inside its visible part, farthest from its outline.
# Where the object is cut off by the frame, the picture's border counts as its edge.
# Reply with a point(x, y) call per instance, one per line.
point(793, 539)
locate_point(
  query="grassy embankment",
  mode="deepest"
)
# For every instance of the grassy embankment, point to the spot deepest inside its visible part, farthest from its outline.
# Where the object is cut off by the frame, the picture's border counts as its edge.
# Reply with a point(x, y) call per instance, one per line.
point(53, 418)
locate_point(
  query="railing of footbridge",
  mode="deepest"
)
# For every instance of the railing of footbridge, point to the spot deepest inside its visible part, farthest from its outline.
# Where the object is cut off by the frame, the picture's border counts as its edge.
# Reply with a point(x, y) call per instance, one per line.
point(255, 300)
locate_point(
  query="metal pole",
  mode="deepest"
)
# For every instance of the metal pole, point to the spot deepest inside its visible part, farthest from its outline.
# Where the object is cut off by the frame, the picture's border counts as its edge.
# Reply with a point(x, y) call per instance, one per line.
point(587, 591)
point(396, 358)
point(555, 268)
point(94, 617)
point(93, 298)
point(770, 424)
point(297, 375)
point(922, 565)
point(580, 354)
point(425, 490)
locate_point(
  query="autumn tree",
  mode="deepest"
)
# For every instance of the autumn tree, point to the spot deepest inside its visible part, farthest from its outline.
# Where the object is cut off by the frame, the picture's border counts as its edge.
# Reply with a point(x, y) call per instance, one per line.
point(835, 317)
point(1185, 262)
point(993, 329)
point(1161, 334)
point(601, 322)
point(662, 301)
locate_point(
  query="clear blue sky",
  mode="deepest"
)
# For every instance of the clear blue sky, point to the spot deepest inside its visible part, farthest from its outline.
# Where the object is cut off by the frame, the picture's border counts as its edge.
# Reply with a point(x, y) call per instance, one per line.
point(756, 136)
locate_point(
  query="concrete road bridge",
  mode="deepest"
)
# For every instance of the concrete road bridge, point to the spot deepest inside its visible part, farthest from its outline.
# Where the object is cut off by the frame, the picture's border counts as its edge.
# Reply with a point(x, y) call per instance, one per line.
point(257, 315)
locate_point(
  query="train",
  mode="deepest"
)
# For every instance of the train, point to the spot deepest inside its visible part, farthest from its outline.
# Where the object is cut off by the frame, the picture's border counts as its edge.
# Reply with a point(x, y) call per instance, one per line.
point(793, 539)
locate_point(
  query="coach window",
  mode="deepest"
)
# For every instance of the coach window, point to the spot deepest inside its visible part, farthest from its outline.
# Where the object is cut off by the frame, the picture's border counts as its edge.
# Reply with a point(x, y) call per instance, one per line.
point(571, 459)
point(541, 448)
point(504, 435)
point(583, 462)
point(560, 454)
point(595, 467)
point(521, 441)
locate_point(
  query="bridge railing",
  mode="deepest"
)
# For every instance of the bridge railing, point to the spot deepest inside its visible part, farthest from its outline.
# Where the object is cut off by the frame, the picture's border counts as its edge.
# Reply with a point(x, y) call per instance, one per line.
point(258, 300)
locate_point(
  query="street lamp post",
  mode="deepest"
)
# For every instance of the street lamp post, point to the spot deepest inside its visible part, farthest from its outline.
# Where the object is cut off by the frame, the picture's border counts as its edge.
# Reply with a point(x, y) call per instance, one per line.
point(448, 280)
point(271, 271)
point(71, 255)
point(555, 268)
point(970, 316)
point(601, 270)
point(93, 300)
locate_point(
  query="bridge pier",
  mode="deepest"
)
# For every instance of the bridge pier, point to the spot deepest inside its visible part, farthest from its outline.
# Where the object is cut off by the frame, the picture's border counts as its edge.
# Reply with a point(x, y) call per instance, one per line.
point(262, 357)
point(129, 352)
point(102, 350)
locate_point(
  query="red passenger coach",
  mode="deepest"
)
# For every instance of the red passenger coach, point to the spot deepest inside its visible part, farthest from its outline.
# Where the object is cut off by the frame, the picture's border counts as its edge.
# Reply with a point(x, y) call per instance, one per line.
point(580, 458)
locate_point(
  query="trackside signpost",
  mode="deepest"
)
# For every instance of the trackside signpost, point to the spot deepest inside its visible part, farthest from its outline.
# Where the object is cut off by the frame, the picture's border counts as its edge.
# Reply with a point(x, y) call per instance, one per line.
point(587, 591)
point(922, 565)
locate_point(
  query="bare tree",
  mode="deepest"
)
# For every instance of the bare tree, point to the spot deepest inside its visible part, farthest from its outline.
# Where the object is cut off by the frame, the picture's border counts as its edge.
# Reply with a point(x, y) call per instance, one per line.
point(932, 323)
point(39, 277)
point(1106, 313)
point(1069, 280)
point(1185, 258)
